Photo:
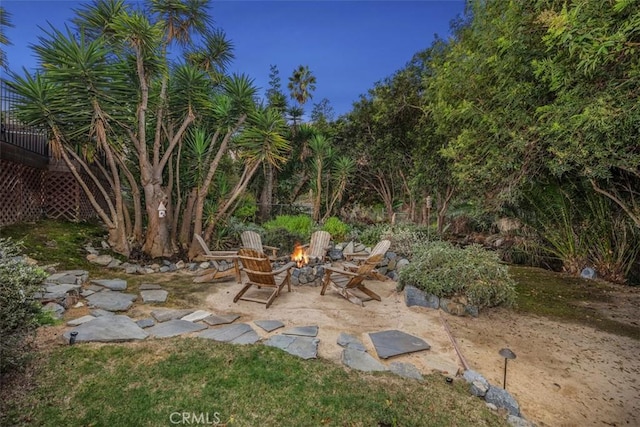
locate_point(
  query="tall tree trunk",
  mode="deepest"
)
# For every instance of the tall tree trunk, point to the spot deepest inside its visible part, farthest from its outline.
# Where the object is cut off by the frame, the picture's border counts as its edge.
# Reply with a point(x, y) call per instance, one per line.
point(185, 236)
point(266, 196)
point(443, 206)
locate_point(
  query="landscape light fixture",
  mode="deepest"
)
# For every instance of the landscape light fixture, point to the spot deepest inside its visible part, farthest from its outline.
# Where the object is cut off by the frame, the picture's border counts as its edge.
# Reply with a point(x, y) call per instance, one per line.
point(507, 354)
point(72, 338)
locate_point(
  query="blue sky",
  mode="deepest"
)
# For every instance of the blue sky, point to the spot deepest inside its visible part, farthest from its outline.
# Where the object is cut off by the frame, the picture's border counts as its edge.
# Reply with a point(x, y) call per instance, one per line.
point(348, 45)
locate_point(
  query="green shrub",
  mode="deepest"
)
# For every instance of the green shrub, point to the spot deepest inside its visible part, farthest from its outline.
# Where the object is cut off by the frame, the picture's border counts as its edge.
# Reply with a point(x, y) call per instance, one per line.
point(441, 269)
point(372, 234)
point(283, 239)
point(247, 208)
point(405, 237)
point(339, 230)
point(19, 311)
point(296, 224)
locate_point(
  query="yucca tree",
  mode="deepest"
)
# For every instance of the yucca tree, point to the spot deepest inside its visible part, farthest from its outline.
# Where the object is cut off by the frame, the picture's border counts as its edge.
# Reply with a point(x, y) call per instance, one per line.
point(342, 172)
point(322, 152)
point(262, 142)
point(74, 96)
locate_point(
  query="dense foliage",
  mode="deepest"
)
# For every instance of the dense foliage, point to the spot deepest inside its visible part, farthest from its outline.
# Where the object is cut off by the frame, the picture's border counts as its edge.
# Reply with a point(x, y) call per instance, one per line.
point(441, 269)
point(19, 311)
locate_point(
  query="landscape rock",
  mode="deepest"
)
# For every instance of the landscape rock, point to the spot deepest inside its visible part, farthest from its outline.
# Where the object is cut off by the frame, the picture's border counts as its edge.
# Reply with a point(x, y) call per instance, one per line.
point(98, 312)
point(514, 421)
point(588, 273)
point(417, 297)
point(164, 315)
point(145, 323)
point(149, 287)
point(102, 260)
point(56, 309)
point(502, 399)
point(451, 307)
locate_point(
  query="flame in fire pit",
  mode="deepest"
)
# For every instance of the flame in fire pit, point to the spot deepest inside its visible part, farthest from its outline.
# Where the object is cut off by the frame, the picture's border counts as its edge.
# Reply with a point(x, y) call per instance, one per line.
point(299, 256)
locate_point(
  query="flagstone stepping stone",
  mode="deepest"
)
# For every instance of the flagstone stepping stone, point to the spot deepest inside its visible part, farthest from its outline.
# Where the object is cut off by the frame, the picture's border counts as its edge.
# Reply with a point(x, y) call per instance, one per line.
point(361, 361)
point(113, 284)
point(59, 291)
point(174, 327)
point(98, 312)
point(169, 314)
point(241, 333)
point(393, 343)
point(406, 370)
point(220, 319)
point(149, 297)
point(303, 331)
point(304, 347)
point(108, 329)
point(146, 322)
point(349, 341)
point(112, 301)
point(96, 288)
point(76, 277)
point(86, 292)
point(196, 316)
point(269, 325)
point(81, 320)
point(150, 287)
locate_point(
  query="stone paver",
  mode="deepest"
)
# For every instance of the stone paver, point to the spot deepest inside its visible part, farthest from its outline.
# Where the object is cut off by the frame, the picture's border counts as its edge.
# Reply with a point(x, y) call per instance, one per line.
point(196, 316)
point(59, 291)
point(361, 361)
point(221, 319)
point(164, 315)
point(349, 341)
point(108, 329)
point(112, 301)
point(303, 331)
point(393, 343)
point(147, 322)
point(241, 333)
point(98, 312)
point(150, 287)
point(172, 328)
point(154, 296)
point(81, 320)
point(113, 284)
point(304, 347)
point(56, 309)
point(406, 370)
point(269, 325)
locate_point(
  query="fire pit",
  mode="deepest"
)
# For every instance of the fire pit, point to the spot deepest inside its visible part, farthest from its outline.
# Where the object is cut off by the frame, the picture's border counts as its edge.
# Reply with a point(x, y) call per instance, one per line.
point(307, 271)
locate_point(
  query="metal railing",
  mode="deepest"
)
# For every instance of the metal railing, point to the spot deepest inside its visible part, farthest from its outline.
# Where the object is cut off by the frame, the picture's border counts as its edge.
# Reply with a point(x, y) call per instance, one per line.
point(16, 133)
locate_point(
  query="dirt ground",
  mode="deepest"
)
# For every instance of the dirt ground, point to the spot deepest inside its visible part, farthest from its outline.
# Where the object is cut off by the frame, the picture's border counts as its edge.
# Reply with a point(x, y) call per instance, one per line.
point(564, 374)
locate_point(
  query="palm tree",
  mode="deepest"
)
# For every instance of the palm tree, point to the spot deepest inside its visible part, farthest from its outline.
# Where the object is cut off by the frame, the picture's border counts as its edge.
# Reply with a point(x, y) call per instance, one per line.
point(301, 84)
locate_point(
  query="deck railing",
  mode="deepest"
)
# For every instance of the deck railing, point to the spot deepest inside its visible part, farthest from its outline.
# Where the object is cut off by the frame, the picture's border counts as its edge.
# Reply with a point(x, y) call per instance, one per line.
point(16, 133)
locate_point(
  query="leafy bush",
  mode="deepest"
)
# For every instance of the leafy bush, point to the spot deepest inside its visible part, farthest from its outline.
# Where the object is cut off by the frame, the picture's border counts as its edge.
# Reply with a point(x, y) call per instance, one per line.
point(339, 230)
point(247, 208)
point(405, 237)
point(296, 224)
point(370, 235)
point(283, 239)
point(19, 311)
point(441, 269)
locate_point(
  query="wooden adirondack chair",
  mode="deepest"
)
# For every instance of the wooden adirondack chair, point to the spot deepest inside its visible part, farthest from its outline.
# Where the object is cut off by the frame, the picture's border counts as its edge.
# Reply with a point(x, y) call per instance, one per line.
point(260, 273)
point(346, 281)
point(318, 246)
point(213, 257)
point(252, 240)
point(381, 248)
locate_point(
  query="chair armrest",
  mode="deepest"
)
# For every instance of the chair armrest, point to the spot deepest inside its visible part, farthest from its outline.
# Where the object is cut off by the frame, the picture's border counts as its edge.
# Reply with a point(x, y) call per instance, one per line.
point(329, 270)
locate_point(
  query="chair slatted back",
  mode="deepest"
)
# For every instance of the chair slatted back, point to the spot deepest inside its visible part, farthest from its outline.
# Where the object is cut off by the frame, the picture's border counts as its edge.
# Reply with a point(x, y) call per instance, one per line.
point(318, 245)
point(252, 240)
point(257, 267)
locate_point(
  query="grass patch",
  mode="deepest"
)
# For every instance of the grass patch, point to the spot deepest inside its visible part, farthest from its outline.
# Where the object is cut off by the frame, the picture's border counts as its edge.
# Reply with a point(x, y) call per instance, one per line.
point(144, 383)
point(560, 296)
point(57, 242)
